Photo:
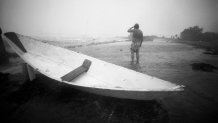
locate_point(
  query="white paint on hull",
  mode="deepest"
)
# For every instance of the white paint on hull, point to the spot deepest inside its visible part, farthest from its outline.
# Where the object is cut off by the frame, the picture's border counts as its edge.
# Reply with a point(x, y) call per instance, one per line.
point(102, 78)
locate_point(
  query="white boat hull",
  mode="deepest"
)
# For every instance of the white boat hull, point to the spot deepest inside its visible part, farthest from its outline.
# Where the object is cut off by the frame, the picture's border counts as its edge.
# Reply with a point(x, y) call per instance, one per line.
point(102, 78)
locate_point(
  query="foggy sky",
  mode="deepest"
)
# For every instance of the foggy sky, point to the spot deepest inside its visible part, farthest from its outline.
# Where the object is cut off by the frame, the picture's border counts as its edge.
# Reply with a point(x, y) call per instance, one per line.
point(106, 18)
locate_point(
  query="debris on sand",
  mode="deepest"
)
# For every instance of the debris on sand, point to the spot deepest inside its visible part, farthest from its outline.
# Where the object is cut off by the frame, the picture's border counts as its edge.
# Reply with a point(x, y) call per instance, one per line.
point(203, 67)
point(211, 51)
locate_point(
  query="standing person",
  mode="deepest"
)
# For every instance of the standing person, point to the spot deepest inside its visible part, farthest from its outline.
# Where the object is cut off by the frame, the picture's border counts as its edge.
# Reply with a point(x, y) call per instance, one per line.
point(137, 38)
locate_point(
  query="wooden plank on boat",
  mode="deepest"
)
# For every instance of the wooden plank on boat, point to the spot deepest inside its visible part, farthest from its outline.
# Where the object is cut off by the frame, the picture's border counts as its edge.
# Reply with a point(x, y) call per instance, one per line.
point(13, 37)
point(78, 71)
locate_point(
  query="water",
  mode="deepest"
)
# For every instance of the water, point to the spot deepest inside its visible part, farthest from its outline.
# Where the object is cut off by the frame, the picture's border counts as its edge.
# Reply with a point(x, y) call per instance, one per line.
point(171, 62)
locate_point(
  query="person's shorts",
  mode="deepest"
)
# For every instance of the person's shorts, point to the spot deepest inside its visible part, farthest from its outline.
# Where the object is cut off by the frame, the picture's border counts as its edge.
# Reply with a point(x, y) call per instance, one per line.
point(135, 47)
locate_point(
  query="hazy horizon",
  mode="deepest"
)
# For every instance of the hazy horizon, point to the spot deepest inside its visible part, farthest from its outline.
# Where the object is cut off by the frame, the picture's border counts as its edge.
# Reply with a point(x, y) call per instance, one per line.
point(106, 18)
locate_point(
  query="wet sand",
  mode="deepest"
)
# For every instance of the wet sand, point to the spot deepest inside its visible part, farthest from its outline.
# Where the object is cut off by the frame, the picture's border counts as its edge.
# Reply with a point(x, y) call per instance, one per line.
point(45, 100)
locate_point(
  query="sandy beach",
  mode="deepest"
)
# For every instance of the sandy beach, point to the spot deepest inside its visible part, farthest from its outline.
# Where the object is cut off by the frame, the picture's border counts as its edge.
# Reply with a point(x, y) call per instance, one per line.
point(45, 100)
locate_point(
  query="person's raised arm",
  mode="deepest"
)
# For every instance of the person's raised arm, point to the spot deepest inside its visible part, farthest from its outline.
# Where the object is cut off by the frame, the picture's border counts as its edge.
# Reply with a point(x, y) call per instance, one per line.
point(130, 29)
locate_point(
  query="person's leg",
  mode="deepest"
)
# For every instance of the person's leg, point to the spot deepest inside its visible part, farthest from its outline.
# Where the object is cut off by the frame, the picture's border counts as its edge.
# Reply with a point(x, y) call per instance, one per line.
point(132, 56)
point(137, 56)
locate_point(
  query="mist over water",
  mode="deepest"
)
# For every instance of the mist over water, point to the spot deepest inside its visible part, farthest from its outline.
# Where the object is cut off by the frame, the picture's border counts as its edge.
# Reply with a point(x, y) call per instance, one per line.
point(105, 18)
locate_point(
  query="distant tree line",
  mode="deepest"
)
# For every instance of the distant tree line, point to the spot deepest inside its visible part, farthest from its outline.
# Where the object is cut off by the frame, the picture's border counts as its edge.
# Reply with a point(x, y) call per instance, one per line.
point(196, 34)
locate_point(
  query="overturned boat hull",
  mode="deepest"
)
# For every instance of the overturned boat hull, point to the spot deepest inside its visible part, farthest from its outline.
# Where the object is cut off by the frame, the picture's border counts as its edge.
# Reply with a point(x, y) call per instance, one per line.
point(87, 73)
